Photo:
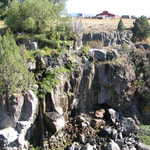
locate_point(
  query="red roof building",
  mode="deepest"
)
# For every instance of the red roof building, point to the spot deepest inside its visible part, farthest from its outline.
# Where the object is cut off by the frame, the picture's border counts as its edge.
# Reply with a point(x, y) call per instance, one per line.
point(105, 14)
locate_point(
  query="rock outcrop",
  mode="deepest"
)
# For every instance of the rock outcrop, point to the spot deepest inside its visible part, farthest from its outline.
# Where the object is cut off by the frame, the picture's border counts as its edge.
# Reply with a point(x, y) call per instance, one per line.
point(109, 39)
point(22, 112)
point(97, 103)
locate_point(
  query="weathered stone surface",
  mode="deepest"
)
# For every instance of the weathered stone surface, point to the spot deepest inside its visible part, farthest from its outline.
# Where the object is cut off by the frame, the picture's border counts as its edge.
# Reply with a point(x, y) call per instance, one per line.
point(54, 121)
point(103, 54)
point(113, 146)
point(5, 121)
point(142, 146)
point(114, 115)
point(109, 39)
point(99, 113)
point(23, 112)
point(129, 126)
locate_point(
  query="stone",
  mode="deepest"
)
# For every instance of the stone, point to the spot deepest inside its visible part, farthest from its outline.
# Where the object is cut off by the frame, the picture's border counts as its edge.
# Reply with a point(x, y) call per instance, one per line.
point(97, 123)
point(31, 65)
point(99, 54)
point(8, 135)
point(128, 126)
point(125, 147)
point(114, 116)
point(88, 147)
point(109, 39)
point(5, 121)
point(54, 121)
point(82, 138)
point(99, 113)
point(15, 137)
point(74, 146)
point(132, 147)
point(142, 146)
point(112, 146)
point(110, 55)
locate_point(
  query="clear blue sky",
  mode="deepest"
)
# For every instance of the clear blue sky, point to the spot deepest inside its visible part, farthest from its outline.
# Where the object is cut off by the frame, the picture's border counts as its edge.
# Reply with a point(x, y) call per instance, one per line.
point(118, 7)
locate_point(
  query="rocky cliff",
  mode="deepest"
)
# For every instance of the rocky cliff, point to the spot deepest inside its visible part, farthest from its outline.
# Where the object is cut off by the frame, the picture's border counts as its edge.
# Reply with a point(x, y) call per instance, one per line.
point(103, 95)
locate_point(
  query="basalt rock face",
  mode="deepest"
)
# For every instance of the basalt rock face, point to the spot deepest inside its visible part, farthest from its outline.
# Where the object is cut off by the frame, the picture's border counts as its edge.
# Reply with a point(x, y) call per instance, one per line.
point(109, 86)
point(106, 90)
point(108, 39)
point(17, 120)
point(114, 81)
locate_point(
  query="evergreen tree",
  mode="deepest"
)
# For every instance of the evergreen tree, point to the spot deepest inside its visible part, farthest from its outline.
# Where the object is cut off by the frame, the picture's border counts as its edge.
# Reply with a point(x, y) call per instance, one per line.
point(141, 29)
point(14, 75)
point(121, 26)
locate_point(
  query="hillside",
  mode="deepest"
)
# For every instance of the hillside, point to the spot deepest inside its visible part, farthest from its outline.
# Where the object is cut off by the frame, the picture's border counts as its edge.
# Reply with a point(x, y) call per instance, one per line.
point(102, 25)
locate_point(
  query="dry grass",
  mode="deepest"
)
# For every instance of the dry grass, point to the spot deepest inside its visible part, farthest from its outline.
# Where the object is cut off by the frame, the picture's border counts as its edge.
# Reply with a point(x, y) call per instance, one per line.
point(102, 25)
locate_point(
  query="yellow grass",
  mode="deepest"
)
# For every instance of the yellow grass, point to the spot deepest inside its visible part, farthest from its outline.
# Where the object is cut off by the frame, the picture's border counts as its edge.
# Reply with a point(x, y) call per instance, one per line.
point(102, 25)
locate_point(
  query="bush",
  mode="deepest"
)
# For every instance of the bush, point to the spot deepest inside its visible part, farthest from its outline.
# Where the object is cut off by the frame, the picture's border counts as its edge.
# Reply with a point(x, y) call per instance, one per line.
point(29, 24)
point(144, 134)
point(31, 15)
point(121, 26)
point(141, 29)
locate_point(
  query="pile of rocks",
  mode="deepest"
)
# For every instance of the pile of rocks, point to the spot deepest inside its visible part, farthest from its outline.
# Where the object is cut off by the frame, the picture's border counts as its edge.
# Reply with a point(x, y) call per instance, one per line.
point(102, 129)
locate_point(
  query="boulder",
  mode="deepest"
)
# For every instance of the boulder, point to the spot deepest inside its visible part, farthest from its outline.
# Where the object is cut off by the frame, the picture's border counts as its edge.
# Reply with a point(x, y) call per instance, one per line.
point(7, 136)
point(112, 146)
point(54, 121)
point(97, 123)
point(74, 146)
point(100, 55)
point(111, 55)
point(114, 115)
point(128, 126)
point(142, 146)
point(125, 147)
point(99, 113)
point(6, 121)
point(13, 137)
point(88, 147)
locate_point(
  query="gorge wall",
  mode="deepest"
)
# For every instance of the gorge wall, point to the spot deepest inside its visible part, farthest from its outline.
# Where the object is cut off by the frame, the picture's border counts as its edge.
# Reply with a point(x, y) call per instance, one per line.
point(102, 78)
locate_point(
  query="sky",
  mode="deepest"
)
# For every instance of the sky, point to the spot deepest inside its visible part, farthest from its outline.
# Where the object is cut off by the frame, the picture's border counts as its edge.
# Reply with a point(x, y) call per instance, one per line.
point(118, 7)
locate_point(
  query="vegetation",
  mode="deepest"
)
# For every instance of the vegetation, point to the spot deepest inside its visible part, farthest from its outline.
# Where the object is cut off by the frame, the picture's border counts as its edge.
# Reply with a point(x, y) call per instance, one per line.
point(14, 75)
point(141, 29)
point(144, 134)
point(32, 15)
point(121, 26)
point(50, 80)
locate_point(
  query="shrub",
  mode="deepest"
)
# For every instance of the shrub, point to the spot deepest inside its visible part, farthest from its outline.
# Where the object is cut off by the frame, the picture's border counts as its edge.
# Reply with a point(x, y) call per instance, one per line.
point(31, 15)
point(144, 134)
point(121, 26)
point(29, 24)
point(14, 75)
point(141, 29)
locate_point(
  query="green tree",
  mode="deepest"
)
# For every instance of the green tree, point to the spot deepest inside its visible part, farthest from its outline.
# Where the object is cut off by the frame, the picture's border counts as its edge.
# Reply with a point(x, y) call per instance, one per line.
point(141, 29)
point(14, 75)
point(32, 15)
point(121, 26)
point(4, 3)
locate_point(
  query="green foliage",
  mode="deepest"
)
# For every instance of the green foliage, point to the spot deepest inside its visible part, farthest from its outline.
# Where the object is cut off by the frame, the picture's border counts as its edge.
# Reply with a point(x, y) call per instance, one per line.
point(4, 3)
point(29, 24)
point(50, 80)
point(121, 26)
point(144, 134)
point(85, 50)
point(14, 75)
point(32, 15)
point(141, 29)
